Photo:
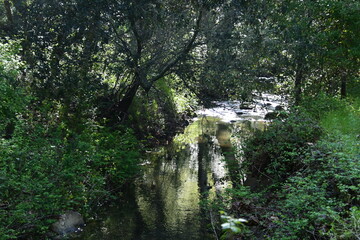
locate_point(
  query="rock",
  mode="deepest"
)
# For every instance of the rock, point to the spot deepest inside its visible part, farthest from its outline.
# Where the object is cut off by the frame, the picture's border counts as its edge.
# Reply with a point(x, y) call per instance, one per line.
point(185, 123)
point(68, 222)
point(279, 108)
point(239, 113)
point(271, 115)
point(246, 106)
point(276, 115)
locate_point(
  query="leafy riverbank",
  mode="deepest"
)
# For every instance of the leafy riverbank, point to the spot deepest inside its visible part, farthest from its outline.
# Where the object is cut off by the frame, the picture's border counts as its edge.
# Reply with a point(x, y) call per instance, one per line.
point(308, 171)
point(49, 164)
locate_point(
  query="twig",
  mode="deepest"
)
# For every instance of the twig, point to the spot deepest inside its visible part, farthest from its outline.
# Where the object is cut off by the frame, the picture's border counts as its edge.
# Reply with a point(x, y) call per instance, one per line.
point(212, 225)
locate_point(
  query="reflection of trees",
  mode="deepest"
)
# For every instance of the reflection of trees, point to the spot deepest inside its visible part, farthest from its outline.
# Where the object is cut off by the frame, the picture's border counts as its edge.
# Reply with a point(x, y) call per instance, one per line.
point(203, 165)
point(118, 222)
point(223, 133)
point(163, 211)
point(164, 203)
point(139, 224)
point(165, 182)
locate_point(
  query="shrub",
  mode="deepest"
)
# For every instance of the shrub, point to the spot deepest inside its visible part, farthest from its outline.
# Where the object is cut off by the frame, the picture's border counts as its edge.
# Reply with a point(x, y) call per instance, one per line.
point(277, 153)
point(315, 173)
point(43, 174)
point(321, 197)
point(345, 121)
point(321, 104)
point(50, 161)
point(12, 98)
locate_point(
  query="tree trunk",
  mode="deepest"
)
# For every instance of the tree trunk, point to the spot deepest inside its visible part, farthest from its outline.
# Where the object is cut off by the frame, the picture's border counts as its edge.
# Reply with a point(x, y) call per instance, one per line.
point(90, 44)
point(9, 15)
point(123, 106)
point(343, 86)
point(298, 85)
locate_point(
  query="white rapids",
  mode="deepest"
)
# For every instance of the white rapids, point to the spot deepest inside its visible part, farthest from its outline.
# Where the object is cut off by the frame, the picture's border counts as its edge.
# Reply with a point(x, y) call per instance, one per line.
point(231, 111)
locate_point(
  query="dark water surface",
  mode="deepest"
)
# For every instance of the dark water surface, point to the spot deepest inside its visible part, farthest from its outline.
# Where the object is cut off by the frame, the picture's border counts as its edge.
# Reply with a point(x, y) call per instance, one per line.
point(164, 201)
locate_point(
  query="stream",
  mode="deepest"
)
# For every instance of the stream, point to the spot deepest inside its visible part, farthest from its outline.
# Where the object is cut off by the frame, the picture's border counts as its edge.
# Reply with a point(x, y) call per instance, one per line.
point(164, 202)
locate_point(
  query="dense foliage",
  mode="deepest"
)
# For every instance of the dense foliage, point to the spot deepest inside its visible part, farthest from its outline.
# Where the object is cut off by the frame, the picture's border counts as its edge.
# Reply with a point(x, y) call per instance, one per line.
point(44, 174)
point(80, 79)
point(309, 175)
point(277, 153)
point(47, 166)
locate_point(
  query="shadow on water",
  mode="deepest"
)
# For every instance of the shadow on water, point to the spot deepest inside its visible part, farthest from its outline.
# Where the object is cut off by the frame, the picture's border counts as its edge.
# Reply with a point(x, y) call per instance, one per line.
point(164, 202)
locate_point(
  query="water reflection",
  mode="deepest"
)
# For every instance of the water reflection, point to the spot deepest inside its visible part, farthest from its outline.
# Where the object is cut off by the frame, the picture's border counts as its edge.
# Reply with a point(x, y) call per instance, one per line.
point(164, 202)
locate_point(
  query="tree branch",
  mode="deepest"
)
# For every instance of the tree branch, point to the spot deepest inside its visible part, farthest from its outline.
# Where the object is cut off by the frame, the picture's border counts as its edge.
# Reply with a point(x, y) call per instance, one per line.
point(185, 51)
point(9, 15)
point(137, 38)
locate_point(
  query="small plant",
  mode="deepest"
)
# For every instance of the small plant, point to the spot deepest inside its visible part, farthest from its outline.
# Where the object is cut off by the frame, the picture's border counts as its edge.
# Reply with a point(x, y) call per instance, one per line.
point(231, 226)
point(345, 228)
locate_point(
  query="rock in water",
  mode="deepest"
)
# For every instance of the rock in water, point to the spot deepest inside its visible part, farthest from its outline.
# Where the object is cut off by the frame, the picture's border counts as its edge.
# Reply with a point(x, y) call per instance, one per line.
point(279, 108)
point(239, 112)
point(247, 106)
point(276, 115)
point(68, 222)
point(271, 115)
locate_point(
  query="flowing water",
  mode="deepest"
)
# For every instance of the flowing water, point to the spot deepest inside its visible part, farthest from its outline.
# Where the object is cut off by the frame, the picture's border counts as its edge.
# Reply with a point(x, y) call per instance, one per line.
point(164, 202)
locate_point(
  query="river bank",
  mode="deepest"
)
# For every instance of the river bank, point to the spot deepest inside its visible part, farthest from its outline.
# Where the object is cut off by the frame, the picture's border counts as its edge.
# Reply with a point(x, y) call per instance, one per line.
point(308, 169)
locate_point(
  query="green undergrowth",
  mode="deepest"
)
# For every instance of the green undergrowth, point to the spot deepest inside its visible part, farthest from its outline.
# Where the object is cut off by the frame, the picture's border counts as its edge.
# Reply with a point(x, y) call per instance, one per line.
point(309, 173)
point(48, 164)
point(44, 174)
point(344, 120)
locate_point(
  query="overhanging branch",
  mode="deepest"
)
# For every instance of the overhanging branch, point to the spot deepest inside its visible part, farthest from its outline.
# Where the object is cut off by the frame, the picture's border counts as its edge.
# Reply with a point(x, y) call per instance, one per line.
point(183, 53)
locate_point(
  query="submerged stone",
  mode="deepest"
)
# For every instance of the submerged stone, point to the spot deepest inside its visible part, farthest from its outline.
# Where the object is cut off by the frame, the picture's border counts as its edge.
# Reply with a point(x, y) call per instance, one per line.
point(239, 113)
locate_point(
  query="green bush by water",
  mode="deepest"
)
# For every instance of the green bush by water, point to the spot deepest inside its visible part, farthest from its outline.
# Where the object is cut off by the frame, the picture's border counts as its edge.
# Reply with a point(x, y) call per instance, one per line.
point(344, 121)
point(277, 153)
point(48, 166)
point(43, 175)
point(312, 163)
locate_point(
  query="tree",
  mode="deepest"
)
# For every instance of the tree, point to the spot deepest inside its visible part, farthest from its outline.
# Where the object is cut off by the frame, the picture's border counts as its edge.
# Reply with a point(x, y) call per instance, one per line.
point(229, 61)
point(339, 25)
point(292, 24)
point(153, 38)
point(126, 44)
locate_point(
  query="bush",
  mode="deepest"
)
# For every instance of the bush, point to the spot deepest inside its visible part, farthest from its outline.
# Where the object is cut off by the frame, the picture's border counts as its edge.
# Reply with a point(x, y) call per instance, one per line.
point(12, 98)
point(321, 104)
point(52, 161)
point(317, 199)
point(345, 121)
point(315, 187)
point(43, 174)
point(277, 153)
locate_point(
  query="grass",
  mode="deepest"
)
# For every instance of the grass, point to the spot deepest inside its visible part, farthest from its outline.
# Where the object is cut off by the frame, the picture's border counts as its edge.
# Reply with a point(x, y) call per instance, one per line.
point(344, 121)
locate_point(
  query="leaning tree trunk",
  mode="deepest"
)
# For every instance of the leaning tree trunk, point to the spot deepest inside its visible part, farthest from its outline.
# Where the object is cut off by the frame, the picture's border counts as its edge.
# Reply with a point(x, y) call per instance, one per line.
point(120, 110)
